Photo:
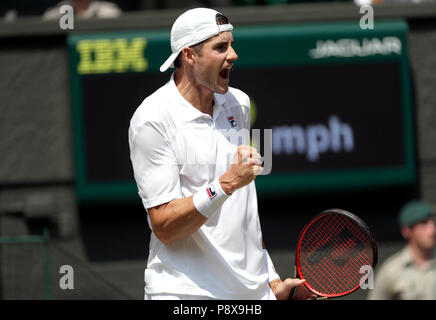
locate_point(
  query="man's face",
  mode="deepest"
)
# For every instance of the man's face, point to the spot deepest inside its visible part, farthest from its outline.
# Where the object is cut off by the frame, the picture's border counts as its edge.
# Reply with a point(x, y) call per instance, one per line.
point(213, 64)
point(423, 234)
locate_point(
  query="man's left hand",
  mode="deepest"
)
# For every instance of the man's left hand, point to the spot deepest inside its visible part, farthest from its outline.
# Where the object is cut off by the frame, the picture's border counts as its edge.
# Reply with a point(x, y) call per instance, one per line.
point(282, 289)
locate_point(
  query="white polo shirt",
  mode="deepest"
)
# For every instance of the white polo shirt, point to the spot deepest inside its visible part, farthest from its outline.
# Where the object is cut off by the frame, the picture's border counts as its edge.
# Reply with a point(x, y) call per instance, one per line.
point(176, 150)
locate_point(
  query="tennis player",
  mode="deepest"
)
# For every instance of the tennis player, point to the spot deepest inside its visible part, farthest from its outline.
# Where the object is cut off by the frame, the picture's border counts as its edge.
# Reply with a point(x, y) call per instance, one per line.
point(197, 187)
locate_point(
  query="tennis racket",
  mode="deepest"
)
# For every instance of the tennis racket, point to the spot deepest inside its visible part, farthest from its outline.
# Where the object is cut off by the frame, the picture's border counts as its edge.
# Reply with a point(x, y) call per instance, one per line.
point(336, 253)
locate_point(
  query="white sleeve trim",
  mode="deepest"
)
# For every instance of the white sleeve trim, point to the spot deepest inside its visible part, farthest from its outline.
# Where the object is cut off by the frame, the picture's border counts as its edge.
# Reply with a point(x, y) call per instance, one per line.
point(149, 203)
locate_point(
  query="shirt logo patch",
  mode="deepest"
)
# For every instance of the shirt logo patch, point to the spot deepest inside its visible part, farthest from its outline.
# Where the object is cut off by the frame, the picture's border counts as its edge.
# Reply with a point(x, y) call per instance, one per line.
point(211, 192)
point(232, 121)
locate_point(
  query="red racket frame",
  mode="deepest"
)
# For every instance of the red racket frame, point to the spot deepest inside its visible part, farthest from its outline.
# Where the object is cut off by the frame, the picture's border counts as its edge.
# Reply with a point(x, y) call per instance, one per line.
point(303, 232)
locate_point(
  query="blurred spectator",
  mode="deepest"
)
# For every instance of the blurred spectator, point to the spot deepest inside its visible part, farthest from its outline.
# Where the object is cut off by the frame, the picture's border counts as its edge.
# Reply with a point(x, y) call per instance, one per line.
point(10, 15)
point(85, 9)
point(367, 2)
point(411, 273)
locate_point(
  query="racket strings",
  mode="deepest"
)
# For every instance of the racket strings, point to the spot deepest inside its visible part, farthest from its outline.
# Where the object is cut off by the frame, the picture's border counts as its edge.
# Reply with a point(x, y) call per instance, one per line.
point(332, 252)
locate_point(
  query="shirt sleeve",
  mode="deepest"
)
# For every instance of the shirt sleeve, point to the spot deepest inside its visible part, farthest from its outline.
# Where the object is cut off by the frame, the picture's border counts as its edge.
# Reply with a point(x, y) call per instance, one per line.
point(155, 166)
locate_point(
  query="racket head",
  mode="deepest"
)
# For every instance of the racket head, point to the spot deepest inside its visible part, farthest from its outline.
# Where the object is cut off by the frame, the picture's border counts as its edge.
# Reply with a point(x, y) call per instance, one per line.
point(331, 250)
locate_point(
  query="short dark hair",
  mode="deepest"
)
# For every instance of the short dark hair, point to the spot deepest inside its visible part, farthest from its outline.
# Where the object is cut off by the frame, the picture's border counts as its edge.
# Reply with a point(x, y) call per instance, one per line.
point(220, 20)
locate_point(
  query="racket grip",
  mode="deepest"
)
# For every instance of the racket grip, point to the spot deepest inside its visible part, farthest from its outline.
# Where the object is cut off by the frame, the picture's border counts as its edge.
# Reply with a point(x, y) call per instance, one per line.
point(292, 294)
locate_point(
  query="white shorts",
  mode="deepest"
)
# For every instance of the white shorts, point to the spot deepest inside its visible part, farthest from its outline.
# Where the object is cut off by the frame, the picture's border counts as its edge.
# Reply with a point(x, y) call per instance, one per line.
point(166, 296)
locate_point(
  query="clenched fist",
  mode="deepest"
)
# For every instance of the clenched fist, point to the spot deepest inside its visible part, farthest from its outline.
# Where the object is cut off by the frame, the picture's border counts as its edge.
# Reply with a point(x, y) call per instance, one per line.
point(247, 164)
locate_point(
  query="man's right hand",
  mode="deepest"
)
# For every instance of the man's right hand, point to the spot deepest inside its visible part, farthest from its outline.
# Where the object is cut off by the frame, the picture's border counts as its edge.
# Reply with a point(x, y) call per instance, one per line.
point(247, 164)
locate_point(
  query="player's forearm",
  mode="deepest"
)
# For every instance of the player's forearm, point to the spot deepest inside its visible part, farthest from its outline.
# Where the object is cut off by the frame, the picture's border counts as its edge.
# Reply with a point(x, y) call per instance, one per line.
point(176, 220)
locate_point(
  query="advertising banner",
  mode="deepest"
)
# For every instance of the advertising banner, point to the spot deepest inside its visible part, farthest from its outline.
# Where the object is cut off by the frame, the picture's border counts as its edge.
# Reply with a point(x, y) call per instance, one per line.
point(337, 98)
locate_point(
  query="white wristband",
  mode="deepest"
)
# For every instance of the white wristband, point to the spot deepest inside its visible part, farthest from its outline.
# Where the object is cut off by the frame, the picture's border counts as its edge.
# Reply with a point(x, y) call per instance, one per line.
point(208, 200)
point(272, 274)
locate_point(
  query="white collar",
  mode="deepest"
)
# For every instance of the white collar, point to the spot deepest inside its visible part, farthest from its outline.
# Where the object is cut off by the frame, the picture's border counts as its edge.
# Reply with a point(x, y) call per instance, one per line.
point(187, 111)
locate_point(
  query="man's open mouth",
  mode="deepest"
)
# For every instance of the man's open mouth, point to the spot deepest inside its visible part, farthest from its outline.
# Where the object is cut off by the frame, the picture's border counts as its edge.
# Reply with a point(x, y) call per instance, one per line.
point(225, 73)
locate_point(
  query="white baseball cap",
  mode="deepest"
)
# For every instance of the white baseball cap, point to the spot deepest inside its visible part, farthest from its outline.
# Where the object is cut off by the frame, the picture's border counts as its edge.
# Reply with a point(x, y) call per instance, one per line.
point(190, 28)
